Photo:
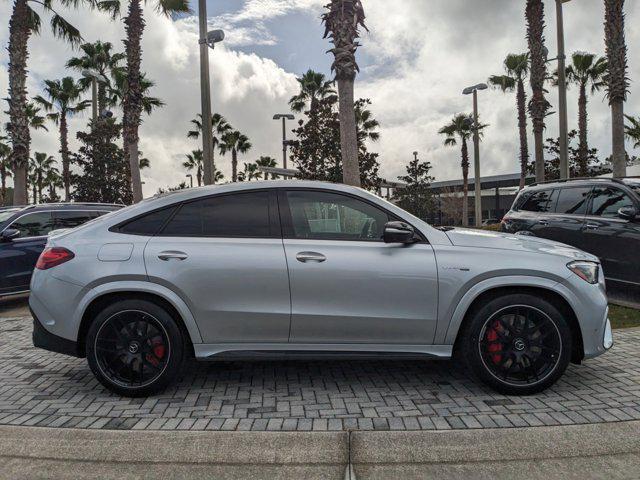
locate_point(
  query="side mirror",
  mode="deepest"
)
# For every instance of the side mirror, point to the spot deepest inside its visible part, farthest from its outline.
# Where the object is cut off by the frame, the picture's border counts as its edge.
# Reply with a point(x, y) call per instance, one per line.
point(399, 232)
point(9, 234)
point(628, 213)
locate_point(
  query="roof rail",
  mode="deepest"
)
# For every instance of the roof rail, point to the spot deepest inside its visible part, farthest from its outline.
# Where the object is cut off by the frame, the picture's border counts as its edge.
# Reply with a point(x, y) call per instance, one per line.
point(566, 180)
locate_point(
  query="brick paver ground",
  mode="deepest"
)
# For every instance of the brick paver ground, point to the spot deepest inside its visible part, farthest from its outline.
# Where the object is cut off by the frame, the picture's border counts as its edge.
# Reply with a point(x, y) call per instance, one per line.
point(46, 389)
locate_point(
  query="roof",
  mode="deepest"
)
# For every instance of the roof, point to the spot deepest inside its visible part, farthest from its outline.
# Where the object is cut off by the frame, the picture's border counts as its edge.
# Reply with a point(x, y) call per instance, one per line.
point(548, 183)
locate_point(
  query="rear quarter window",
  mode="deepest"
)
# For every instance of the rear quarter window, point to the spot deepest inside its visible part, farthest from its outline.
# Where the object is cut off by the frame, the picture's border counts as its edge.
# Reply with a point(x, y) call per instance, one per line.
point(147, 224)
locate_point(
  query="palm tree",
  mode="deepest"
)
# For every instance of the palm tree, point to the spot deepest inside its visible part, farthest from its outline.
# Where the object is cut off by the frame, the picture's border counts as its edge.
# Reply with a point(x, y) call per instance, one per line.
point(41, 163)
point(342, 23)
point(133, 105)
point(53, 180)
point(23, 22)
point(313, 87)
point(616, 79)
point(219, 126)
point(97, 56)
point(538, 106)
point(195, 162)
point(249, 173)
point(366, 125)
point(517, 69)
point(5, 168)
point(64, 96)
point(632, 130)
point(267, 162)
point(586, 70)
point(460, 130)
point(234, 142)
point(36, 121)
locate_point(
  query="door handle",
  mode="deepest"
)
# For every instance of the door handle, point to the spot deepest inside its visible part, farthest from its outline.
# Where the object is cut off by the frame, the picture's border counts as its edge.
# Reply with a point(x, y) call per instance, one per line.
point(305, 257)
point(543, 222)
point(591, 226)
point(166, 256)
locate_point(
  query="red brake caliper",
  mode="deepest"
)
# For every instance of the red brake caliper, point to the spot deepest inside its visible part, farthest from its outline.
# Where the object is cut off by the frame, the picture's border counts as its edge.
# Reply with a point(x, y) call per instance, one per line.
point(495, 348)
point(158, 351)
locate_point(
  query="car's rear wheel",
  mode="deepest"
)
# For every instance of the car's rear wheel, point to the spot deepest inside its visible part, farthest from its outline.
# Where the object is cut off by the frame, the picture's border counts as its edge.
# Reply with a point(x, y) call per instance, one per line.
point(518, 344)
point(135, 348)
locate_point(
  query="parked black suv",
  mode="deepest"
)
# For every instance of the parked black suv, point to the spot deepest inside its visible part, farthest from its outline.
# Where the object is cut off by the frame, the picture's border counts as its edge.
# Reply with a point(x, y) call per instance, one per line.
point(600, 216)
point(23, 235)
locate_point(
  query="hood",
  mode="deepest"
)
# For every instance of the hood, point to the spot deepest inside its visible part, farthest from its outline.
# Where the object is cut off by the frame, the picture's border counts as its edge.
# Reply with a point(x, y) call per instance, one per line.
point(463, 237)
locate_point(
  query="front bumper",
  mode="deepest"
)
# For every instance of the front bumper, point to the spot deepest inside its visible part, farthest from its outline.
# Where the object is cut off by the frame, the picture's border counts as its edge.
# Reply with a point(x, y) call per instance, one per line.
point(46, 340)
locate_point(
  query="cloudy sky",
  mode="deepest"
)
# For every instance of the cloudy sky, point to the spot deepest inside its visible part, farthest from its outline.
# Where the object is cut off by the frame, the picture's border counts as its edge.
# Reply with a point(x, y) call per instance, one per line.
point(415, 61)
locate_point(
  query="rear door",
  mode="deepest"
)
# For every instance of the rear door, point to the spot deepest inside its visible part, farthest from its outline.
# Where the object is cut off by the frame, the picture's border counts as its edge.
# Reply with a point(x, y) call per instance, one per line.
point(223, 256)
point(614, 240)
point(18, 257)
point(569, 209)
point(534, 213)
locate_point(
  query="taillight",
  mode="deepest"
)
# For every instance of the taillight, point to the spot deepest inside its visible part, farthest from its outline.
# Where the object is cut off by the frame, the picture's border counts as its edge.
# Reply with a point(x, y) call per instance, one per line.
point(53, 256)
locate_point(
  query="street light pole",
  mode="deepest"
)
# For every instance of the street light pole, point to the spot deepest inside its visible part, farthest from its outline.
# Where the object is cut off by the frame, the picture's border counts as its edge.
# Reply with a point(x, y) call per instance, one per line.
point(205, 95)
point(562, 95)
point(284, 117)
point(476, 150)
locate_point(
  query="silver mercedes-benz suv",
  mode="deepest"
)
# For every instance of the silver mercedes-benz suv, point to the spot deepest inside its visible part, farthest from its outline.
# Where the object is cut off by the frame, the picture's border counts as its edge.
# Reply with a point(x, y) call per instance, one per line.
point(299, 267)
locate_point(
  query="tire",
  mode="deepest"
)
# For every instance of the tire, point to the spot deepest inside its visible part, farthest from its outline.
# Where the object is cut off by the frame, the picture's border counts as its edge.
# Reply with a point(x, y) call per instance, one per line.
point(135, 348)
point(518, 344)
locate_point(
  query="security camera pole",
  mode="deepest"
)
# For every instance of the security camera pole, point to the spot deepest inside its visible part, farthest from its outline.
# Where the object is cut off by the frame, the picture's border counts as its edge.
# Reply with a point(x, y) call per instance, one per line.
point(207, 39)
point(284, 117)
point(476, 149)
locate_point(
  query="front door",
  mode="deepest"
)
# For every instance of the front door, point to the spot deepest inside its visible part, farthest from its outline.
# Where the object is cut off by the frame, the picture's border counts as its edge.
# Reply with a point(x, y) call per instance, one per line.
point(347, 285)
point(613, 239)
point(223, 256)
point(18, 257)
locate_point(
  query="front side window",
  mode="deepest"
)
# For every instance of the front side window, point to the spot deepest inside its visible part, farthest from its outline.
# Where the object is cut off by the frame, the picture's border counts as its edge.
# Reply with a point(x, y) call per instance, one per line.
point(37, 224)
point(573, 201)
point(607, 201)
point(237, 215)
point(330, 216)
point(538, 202)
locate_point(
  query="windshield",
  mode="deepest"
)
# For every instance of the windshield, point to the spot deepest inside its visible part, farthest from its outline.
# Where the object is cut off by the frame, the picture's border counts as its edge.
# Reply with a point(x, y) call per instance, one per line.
point(7, 214)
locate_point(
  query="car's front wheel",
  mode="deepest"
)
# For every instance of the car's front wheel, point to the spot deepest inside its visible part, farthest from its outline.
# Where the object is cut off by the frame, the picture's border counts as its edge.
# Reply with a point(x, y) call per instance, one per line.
point(135, 348)
point(519, 344)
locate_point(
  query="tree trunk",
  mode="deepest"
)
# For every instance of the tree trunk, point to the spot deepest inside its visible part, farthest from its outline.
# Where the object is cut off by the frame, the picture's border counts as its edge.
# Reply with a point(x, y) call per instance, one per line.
point(64, 153)
point(19, 134)
point(234, 165)
point(619, 153)
point(35, 193)
point(199, 176)
point(538, 106)
point(348, 134)
point(3, 183)
point(40, 185)
point(522, 126)
point(134, 26)
point(583, 147)
point(465, 187)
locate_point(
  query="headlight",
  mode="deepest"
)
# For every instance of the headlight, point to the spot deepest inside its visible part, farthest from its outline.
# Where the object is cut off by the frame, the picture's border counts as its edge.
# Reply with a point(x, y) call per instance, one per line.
point(588, 271)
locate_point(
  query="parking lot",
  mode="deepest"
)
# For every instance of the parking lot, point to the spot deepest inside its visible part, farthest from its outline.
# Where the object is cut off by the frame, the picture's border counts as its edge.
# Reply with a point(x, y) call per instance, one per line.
point(39, 388)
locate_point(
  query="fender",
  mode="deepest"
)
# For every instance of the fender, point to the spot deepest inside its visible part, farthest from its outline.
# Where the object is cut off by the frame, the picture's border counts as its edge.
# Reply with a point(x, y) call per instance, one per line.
point(448, 334)
point(146, 287)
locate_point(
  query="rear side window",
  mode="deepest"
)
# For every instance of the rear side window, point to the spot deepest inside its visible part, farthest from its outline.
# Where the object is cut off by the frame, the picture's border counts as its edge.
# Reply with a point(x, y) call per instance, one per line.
point(573, 201)
point(64, 219)
point(538, 202)
point(148, 224)
point(607, 201)
point(237, 215)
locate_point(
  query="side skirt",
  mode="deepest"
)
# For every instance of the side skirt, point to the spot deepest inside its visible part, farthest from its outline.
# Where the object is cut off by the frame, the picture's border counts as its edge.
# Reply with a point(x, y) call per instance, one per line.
point(236, 351)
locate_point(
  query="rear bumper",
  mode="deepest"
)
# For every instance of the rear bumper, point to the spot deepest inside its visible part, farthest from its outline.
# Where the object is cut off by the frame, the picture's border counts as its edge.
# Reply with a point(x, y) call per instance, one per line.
point(46, 340)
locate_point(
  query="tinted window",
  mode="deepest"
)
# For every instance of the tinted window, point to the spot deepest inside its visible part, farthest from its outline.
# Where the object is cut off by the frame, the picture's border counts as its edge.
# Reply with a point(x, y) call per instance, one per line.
point(538, 202)
point(330, 216)
point(35, 224)
point(149, 224)
point(573, 200)
point(237, 215)
point(607, 201)
point(6, 215)
point(64, 219)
